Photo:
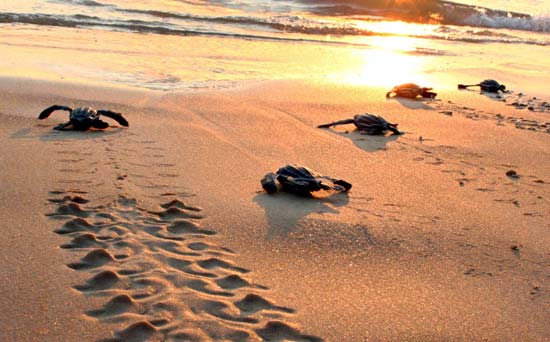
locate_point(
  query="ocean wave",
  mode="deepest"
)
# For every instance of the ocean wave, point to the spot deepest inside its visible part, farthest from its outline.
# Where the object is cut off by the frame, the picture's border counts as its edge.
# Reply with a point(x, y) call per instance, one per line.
point(432, 11)
point(421, 11)
point(133, 25)
point(278, 24)
point(540, 23)
point(303, 25)
point(90, 3)
point(489, 33)
point(306, 30)
point(290, 24)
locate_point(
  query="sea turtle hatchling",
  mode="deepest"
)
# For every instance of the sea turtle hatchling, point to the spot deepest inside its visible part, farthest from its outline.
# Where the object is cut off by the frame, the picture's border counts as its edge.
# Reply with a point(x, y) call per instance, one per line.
point(301, 181)
point(367, 124)
point(411, 91)
point(489, 86)
point(83, 118)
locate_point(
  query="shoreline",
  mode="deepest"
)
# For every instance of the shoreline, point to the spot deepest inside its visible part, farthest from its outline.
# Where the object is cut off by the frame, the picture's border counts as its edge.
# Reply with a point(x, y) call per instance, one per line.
point(433, 242)
point(189, 64)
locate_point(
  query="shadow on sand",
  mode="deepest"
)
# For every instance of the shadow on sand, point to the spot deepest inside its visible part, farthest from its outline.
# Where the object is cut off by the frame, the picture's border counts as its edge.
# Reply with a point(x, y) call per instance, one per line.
point(369, 143)
point(412, 104)
point(53, 135)
point(492, 96)
point(284, 211)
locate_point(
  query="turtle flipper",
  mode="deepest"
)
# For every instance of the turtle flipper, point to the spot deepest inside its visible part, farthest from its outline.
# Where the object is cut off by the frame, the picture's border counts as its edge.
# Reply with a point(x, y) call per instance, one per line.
point(464, 86)
point(48, 111)
point(115, 116)
point(337, 184)
point(393, 129)
point(63, 126)
point(99, 124)
point(426, 93)
point(341, 122)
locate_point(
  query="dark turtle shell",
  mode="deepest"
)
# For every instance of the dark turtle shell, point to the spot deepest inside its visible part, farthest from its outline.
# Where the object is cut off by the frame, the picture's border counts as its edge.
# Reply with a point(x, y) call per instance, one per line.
point(301, 181)
point(411, 91)
point(83, 113)
point(83, 118)
point(366, 124)
point(373, 124)
point(491, 86)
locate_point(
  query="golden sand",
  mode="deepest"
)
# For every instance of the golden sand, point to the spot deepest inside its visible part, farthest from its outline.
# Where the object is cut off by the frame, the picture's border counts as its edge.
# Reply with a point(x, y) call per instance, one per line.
point(162, 232)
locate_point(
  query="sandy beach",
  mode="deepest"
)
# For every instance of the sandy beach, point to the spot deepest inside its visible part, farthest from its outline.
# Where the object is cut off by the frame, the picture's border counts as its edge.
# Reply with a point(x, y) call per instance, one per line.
point(161, 232)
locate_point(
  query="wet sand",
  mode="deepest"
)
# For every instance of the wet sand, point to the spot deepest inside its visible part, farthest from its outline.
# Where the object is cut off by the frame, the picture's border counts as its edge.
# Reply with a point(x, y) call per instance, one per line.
point(161, 232)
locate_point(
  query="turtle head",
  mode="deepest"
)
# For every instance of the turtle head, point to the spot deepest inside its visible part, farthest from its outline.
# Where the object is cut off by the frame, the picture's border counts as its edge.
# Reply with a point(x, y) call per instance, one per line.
point(81, 124)
point(393, 128)
point(502, 87)
point(428, 94)
point(341, 185)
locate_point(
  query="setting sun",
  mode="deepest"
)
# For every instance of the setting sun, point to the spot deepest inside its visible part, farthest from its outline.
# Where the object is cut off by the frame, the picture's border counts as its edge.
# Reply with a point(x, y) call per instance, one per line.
point(389, 62)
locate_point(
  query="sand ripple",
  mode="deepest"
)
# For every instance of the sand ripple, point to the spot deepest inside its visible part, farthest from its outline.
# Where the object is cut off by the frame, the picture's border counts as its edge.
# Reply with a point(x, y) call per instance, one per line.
point(163, 277)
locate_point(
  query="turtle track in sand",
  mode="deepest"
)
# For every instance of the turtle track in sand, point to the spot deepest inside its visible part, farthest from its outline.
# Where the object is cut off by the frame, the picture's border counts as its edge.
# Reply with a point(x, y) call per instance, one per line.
point(519, 101)
point(159, 274)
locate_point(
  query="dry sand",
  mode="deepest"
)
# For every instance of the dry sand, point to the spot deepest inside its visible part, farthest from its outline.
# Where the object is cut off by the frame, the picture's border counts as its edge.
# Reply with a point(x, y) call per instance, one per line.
point(160, 232)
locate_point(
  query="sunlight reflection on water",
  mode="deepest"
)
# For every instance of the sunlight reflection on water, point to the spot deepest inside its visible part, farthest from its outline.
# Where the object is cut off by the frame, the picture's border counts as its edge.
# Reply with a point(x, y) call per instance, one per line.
point(387, 63)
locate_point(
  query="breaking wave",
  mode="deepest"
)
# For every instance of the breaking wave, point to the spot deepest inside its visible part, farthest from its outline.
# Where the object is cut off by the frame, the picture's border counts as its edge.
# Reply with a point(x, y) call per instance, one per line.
point(419, 11)
point(433, 11)
point(157, 27)
point(539, 23)
point(305, 30)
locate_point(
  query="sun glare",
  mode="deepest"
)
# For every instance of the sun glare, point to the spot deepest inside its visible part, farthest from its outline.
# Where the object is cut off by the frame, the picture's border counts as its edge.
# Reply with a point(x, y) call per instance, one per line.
point(394, 27)
point(394, 44)
point(386, 63)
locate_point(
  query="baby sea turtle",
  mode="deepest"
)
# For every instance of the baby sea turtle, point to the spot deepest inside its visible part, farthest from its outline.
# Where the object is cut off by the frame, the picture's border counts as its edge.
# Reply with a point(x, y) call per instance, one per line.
point(367, 124)
point(301, 181)
point(490, 86)
point(411, 91)
point(83, 118)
